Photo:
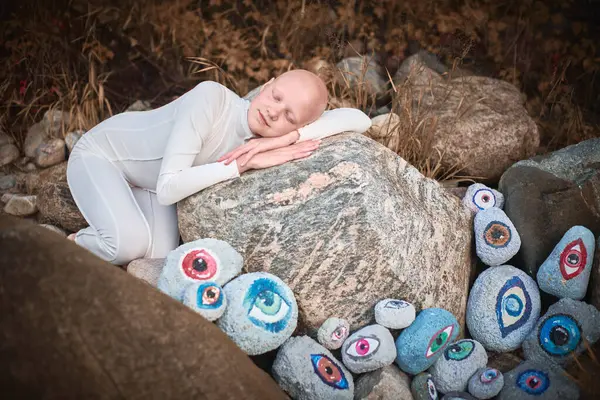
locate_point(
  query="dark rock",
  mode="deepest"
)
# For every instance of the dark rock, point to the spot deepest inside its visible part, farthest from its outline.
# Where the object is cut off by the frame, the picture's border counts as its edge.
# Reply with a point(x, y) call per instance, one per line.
point(344, 228)
point(387, 383)
point(9, 153)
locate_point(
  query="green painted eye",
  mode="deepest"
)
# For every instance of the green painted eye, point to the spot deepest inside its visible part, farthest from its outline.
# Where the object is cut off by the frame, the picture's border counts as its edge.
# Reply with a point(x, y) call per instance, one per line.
point(439, 340)
point(459, 350)
point(268, 302)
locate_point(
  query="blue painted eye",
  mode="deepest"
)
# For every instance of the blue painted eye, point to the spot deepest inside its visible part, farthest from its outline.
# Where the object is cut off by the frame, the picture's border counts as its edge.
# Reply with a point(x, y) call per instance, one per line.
point(396, 304)
point(209, 295)
point(459, 350)
point(513, 306)
point(533, 381)
point(559, 335)
point(328, 371)
point(267, 308)
point(489, 375)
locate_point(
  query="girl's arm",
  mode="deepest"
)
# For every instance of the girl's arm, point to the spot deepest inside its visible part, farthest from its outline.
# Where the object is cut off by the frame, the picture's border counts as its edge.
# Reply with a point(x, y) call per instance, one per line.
point(195, 118)
point(335, 121)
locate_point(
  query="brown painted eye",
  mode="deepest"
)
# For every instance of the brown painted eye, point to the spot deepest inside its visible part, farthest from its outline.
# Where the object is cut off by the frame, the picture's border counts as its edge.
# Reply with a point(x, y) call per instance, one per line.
point(497, 234)
point(211, 295)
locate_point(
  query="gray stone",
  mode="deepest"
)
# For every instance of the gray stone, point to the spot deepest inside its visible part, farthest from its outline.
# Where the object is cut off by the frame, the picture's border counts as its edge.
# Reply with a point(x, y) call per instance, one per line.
point(333, 333)
point(7, 196)
point(425, 340)
point(55, 229)
point(503, 307)
point(461, 359)
point(203, 260)
point(363, 72)
point(72, 138)
point(563, 332)
point(261, 313)
point(536, 380)
point(385, 130)
point(566, 271)
point(55, 121)
point(421, 68)
point(5, 138)
point(551, 194)
point(7, 182)
point(394, 314)
point(365, 226)
point(308, 371)
point(422, 387)
point(21, 205)
point(139, 105)
point(387, 383)
point(147, 269)
point(9, 153)
point(486, 383)
point(206, 298)
point(368, 349)
point(33, 139)
point(458, 396)
point(496, 238)
point(481, 197)
point(50, 153)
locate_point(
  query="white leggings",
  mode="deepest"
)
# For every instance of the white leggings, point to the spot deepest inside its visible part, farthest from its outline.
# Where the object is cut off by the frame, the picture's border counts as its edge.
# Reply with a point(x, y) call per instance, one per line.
point(126, 223)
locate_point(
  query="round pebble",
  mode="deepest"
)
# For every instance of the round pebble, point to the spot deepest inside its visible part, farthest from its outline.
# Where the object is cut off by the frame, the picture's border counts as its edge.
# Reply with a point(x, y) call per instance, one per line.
point(368, 349)
point(202, 260)
point(206, 298)
point(394, 314)
point(333, 333)
point(458, 396)
point(261, 312)
point(496, 238)
point(422, 387)
point(480, 197)
point(420, 345)
point(306, 370)
point(461, 359)
point(503, 307)
point(563, 331)
point(486, 383)
point(566, 271)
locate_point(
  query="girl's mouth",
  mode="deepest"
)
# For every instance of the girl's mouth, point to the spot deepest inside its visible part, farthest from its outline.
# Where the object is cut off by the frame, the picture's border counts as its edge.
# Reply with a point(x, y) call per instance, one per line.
point(262, 118)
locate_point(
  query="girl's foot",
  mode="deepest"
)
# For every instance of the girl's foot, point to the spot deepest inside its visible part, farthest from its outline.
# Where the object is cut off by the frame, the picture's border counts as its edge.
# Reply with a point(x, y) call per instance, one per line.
point(72, 236)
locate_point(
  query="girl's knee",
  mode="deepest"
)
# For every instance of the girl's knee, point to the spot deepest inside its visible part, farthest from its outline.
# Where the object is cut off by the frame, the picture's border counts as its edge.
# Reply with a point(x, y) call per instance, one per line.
point(128, 245)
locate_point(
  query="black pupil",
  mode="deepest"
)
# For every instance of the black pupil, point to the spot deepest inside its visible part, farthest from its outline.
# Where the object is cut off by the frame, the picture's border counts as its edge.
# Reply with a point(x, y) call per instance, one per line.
point(559, 335)
point(200, 265)
point(363, 346)
point(485, 199)
point(573, 259)
point(533, 382)
point(497, 234)
point(210, 293)
point(439, 340)
point(329, 370)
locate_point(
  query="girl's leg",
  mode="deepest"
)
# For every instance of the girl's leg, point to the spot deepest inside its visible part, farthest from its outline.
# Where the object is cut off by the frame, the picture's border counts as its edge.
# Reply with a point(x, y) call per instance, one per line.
point(118, 231)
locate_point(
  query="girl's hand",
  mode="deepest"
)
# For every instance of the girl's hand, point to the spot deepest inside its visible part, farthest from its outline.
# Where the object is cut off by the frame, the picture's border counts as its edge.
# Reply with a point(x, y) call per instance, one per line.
point(256, 146)
point(280, 156)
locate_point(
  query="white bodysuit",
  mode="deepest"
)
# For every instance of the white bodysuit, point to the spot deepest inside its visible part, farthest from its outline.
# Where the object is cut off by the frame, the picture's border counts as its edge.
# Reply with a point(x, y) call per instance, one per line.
point(128, 172)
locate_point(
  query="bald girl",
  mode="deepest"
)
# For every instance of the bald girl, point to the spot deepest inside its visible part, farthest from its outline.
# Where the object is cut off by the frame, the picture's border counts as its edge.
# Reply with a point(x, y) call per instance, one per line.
point(128, 172)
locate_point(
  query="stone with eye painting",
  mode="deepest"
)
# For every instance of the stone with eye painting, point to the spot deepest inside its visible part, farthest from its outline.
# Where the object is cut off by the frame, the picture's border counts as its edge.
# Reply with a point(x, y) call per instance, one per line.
point(261, 312)
point(566, 271)
point(333, 332)
point(306, 370)
point(203, 260)
point(562, 332)
point(394, 314)
point(368, 349)
point(422, 387)
point(502, 308)
point(206, 298)
point(496, 238)
point(486, 383)
point(451, 372)
point(458, 396)
point(538, 381)
point(420, 345)
point(480, 197)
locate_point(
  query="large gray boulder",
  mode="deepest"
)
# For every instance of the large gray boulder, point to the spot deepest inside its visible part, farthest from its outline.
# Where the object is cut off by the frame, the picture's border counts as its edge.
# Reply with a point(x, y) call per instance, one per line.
point(349, 226)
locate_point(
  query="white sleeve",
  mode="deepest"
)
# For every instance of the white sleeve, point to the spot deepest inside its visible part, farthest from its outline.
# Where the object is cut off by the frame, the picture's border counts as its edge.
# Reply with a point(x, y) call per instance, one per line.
point(336, 121)
point(195, 118)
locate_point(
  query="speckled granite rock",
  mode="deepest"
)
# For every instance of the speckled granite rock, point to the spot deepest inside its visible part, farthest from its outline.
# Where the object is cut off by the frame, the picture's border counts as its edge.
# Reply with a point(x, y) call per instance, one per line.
point(354, 222)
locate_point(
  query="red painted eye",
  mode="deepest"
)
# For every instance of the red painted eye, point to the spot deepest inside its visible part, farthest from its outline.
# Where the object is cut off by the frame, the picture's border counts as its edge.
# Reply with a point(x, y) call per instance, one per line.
point(199, 265)
point(573, 259)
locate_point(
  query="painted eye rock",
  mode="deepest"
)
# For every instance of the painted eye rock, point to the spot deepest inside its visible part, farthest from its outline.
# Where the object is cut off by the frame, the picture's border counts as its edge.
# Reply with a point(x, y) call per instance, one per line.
point(333, 332)
point(307, 370)
point(261, 312)
point(536, 380)
point(394, 314)
point(560, 334)
point(566, 271)
point(496, 238)
point(368, 349)
point(460, 361)
point(203, 260)
point(503, 307)
point(486, 383)
point(206, 298)
point(480, 197)
point(420, 345)
point(422, 387)
point(458, 396)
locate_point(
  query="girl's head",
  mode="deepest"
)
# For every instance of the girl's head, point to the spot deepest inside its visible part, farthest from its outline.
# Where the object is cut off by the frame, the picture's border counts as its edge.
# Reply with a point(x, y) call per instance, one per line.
point(292, 100)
